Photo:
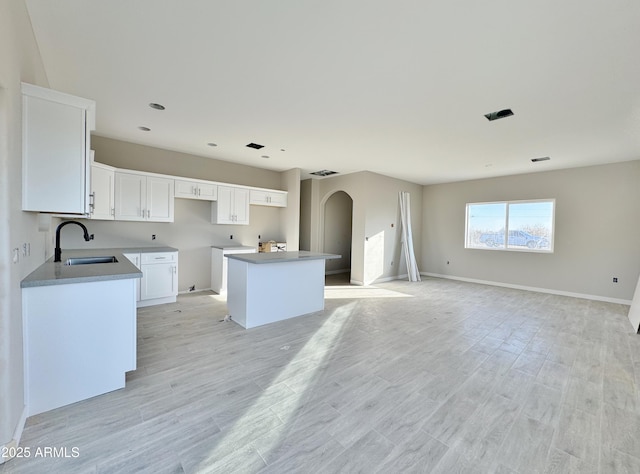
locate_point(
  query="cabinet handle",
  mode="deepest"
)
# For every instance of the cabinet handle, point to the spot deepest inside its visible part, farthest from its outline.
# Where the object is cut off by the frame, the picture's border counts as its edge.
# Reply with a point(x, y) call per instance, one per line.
point(199, 191)
point(148, 213)
point(113, 211)
point(92, 202)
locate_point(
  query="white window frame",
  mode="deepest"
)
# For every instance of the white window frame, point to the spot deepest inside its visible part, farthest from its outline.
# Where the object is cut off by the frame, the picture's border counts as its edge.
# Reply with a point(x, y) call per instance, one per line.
point(550, 249)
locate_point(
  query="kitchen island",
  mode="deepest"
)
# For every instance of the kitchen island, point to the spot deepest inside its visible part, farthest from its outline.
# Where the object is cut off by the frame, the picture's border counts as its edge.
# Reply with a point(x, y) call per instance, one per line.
point(79, 325)
point(267, 287)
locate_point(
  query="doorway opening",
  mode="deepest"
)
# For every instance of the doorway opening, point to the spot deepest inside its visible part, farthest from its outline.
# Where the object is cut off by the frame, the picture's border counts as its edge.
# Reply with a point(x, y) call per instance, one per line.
point(338, 223)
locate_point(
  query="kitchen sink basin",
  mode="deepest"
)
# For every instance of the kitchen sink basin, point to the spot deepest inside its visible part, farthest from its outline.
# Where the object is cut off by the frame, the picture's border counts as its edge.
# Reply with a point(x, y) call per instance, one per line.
point(90, 260)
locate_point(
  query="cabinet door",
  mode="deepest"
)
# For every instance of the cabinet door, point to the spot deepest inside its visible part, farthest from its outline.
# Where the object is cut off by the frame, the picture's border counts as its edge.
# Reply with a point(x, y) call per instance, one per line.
point(159, 281)
point(131, 193)
point(268, 198)
point(159, 199)
point(186, 189)
point(102, 197)
point(222, 210)
point(241, 206)
point(207, 192)
point(54, 174)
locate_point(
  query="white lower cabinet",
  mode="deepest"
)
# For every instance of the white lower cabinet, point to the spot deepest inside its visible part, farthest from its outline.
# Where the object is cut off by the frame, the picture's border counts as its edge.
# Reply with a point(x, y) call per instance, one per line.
point(159, 282)
point(219, 265)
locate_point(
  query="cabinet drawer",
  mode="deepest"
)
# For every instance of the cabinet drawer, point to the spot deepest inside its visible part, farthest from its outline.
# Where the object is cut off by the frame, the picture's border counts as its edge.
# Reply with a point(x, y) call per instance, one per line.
point(158, 257)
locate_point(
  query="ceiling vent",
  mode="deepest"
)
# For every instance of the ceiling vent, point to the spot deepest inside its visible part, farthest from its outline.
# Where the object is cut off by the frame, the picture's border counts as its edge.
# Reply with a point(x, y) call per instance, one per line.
point(324, 173)
point(255, 145)
point(544, 158)
point(498, 115)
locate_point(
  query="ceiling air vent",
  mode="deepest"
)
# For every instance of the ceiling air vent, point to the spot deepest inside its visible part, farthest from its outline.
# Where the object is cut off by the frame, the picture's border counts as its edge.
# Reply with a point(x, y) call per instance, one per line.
point(544, 158)
point(324, 173)
point(498, 115)
point(255, 145)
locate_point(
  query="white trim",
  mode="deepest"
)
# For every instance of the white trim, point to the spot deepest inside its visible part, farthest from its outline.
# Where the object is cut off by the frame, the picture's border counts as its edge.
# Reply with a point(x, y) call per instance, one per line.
point(606, 299)
point(391, 278)
point(17, 434)
point(356, 282)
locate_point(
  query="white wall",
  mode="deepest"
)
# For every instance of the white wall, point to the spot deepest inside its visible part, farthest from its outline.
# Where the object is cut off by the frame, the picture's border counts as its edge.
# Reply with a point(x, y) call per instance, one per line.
point(19, 61)
point(596, 234)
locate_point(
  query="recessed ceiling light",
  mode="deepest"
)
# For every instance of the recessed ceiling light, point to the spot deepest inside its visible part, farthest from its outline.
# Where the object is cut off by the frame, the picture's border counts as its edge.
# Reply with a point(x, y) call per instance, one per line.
point(499, 114)
point(153, 105)
point(144, 129)
point(212, 144)
point(324, 173)
point(544, 158)
point(255, 145)
point(264, 156)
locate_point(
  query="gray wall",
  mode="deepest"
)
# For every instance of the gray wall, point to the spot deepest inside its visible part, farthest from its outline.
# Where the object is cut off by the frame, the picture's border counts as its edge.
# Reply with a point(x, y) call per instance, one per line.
point(19, 61)
point(596, 235)
point(191, 232)
point(375, 240)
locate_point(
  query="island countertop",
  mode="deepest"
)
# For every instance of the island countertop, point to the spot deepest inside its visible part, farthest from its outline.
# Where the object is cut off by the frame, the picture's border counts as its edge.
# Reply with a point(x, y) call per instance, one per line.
point(57, 273)
point(281, 257)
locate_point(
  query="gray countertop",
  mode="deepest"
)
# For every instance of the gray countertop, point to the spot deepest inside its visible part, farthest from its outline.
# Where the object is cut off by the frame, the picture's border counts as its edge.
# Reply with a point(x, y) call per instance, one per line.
point(281, 257)
point(232, 246)
point(57, 273)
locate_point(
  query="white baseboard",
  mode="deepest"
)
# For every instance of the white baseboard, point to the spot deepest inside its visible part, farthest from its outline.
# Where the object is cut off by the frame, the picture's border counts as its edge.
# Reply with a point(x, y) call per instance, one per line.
point(606, 299)
point(17, 434)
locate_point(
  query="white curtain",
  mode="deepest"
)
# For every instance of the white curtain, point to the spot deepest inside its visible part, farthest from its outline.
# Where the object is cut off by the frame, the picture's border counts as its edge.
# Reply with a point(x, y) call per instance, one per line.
point(407, 237)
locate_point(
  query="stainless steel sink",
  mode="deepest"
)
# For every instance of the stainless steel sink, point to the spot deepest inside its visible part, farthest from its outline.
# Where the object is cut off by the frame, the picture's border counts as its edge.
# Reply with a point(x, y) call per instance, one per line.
point(90, 260)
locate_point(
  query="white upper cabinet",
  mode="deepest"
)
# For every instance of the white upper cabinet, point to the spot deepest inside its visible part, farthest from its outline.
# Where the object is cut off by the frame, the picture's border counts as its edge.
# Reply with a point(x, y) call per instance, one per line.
point(192, 189)
point(232, 206)
point(102, 196)
point(55, 151)
point(263, 197)
point(141, 197)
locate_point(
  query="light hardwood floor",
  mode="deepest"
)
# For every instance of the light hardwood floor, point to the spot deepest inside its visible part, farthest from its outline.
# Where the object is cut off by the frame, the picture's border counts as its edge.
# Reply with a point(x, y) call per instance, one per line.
point(436, 376)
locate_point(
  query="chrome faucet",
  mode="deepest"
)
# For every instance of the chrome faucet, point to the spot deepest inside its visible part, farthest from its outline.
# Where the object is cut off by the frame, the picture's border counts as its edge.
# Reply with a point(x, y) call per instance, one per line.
point(58, 251)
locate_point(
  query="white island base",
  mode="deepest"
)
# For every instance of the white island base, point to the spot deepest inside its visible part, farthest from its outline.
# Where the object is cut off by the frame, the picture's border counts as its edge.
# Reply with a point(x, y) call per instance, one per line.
point(79, 339)
point(269, 287)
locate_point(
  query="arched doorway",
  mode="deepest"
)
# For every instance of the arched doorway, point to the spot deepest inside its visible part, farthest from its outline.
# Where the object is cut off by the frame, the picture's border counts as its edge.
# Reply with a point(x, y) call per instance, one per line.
point(338, 221)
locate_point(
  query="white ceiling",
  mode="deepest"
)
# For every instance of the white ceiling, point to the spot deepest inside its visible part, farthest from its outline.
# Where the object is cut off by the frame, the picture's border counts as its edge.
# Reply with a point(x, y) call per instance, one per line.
point(394, 87)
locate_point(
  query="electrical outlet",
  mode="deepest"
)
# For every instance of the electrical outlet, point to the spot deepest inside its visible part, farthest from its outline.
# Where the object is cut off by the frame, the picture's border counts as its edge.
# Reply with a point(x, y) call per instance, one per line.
point(615, 279)
point(231, 236)
point(447, 262)
point(16, 255)
point(153, 236)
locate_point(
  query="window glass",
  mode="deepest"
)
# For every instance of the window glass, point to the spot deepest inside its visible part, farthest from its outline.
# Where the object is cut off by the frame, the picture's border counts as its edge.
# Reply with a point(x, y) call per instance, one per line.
point(511, 225)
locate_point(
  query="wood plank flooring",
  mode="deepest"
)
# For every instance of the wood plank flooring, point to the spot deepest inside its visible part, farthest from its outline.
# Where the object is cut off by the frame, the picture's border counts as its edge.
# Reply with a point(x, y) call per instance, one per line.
point(435, 376)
